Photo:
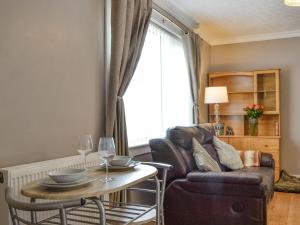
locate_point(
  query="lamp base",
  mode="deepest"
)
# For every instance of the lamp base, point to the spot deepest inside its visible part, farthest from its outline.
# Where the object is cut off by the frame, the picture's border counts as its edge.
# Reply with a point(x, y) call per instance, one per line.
point(219, 126)
point(217, 113)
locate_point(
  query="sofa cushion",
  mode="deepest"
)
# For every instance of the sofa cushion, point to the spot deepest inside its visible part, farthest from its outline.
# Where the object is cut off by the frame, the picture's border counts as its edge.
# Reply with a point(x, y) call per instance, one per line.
point(225, 177)
point(228, 155)
point(182, 136)
point(250, 158)
point(213, 153)
point(203, 159)
point(188, 158)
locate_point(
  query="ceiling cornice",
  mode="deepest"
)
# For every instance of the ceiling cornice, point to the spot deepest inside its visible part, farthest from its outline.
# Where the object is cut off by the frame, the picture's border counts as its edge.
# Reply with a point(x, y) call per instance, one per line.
point(253, 38)
point(177, 13)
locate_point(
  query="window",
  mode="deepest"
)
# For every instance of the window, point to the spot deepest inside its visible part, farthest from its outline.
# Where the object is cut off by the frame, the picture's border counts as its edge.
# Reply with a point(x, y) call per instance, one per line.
point(158, 96)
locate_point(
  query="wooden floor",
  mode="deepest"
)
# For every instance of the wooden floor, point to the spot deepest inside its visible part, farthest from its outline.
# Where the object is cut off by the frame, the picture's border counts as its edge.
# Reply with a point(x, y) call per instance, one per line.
point(284, 209)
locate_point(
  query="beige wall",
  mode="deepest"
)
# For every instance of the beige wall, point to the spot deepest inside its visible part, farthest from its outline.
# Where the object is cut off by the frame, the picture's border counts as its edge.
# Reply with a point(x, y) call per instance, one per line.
point(284, 54)
point(51, 77)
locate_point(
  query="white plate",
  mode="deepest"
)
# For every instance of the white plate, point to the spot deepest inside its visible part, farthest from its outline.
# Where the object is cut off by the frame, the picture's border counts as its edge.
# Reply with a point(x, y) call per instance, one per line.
point(50, 184)
point(67, 175)
point(127, 167)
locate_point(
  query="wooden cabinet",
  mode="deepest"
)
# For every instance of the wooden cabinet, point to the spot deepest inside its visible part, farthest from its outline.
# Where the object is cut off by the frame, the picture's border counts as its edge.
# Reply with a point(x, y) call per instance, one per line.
point(244, 88)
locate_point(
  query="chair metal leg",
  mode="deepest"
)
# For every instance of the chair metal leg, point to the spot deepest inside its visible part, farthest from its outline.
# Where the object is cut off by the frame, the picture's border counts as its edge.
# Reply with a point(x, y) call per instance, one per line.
point(163, 188)
point(13, 215)
point(125, 196)
point(101, 210)
point(33, 215)
point(63, 216)
point(158, 195)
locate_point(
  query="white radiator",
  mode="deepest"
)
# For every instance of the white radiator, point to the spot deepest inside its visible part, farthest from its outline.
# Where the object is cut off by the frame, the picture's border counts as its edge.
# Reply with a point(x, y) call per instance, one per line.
point(17, 176)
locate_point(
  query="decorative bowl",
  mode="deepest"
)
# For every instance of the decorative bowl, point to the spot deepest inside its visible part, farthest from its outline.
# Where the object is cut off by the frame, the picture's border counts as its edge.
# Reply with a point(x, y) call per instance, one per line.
point(67, 175)
point(119, 160)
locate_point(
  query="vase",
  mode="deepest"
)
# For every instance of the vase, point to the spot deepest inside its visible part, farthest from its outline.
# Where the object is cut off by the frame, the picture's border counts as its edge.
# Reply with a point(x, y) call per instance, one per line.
point(253, 126)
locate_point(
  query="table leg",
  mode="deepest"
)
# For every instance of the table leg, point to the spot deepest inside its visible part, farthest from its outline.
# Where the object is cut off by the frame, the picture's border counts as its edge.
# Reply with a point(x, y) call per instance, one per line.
point(101, 209)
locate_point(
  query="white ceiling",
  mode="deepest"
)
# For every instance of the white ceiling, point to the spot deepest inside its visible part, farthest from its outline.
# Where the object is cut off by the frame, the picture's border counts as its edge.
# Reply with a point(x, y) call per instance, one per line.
point(233, 21)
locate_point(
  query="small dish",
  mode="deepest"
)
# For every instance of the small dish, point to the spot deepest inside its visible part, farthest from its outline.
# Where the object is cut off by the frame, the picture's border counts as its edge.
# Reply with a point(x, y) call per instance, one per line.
point(67, 175)
point(120, 161)
point(129, 166)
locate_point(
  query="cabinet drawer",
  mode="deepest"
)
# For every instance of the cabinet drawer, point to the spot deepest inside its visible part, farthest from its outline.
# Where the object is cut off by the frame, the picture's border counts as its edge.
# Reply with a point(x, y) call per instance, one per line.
point(258, 144)
point(265, 144)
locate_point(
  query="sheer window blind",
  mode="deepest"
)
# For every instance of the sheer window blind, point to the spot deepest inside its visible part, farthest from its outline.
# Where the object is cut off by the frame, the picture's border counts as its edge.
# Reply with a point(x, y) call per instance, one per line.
point(159, 94)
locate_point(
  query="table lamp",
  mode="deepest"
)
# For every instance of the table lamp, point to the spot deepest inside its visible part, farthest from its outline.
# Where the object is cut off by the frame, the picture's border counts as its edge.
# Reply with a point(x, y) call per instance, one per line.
point(216, 95)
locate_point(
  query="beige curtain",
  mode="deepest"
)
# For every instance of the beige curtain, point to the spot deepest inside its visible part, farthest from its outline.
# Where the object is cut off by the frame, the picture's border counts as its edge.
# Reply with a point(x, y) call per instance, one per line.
point(192, 49)
point(129, 24)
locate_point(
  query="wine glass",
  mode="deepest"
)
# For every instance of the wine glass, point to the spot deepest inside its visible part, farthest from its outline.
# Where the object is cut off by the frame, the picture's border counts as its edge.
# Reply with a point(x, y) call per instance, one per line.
point(106, 150)
point(85, 146)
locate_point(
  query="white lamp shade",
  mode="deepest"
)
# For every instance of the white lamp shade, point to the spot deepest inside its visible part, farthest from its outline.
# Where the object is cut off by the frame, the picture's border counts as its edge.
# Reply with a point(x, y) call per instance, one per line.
point(215, 95)
point(292, 2)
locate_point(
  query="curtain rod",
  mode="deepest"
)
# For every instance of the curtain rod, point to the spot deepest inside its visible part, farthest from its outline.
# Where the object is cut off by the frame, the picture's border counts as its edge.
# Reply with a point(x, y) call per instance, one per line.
point(172, 19)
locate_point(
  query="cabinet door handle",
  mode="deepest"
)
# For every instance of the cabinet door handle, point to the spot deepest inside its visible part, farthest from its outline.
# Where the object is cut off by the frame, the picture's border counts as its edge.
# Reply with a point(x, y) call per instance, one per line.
point(266, 146)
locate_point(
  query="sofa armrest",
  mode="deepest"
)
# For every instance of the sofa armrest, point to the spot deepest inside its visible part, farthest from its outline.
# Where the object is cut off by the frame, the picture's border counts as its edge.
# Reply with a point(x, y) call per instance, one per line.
point(267, 160)
point(224, 177)
point(236, 183)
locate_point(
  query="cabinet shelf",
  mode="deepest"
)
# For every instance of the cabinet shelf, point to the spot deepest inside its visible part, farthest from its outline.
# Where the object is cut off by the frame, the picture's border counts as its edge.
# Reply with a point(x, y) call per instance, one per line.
point(230, 114)
point(244, 114)
point(248, 136)
point(265, 91)
point(251, 92)
point(240, 92)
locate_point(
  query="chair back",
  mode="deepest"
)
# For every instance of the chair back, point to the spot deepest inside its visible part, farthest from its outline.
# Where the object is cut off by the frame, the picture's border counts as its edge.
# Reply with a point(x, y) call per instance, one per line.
point(15, 206)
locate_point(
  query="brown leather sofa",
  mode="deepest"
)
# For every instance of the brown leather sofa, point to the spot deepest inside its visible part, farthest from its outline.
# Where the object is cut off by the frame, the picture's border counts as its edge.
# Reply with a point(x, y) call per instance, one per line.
point(209, 198)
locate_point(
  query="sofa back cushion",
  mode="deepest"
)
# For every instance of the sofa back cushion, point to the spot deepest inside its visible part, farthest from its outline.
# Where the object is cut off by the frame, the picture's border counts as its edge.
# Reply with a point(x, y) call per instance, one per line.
point(182, 137)
point(250, 158)
point(164, 151)
point(209, 127)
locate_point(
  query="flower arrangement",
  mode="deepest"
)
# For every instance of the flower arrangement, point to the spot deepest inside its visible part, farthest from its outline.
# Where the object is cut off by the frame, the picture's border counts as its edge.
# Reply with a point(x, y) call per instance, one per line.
point(254, 111)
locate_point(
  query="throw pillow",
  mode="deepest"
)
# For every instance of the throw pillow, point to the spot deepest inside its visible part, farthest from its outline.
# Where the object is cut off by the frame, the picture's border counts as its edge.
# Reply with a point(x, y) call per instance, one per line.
point(250, 158)
point(203, 160)
point(228, 155)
